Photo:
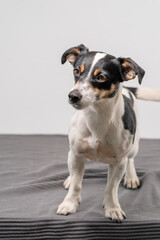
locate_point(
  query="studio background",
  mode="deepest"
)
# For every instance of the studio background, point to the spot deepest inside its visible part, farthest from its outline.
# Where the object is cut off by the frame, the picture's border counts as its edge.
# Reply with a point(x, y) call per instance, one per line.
point(35, 33)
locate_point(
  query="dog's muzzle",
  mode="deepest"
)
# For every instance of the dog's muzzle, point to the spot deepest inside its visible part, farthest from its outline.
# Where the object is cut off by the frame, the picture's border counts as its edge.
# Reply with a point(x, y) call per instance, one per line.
point(74, 96)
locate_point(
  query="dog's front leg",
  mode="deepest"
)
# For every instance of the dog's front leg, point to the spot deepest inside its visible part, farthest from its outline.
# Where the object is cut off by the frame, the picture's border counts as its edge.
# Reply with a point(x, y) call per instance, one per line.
point(73, 197)
point(111, 203)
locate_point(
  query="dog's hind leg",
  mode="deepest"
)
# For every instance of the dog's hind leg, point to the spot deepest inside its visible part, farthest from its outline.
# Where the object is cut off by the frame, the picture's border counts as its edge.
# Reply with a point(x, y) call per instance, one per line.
point(73, 197)
point(131, 180)
point(67, 182)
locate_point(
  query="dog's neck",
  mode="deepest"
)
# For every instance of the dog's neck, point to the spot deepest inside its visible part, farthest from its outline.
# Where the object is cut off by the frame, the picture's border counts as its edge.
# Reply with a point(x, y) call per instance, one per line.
point(99, 117)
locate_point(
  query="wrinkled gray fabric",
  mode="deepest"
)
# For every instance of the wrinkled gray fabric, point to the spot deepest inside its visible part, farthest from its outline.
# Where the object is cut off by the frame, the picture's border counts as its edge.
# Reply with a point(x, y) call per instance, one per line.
point(32, 171)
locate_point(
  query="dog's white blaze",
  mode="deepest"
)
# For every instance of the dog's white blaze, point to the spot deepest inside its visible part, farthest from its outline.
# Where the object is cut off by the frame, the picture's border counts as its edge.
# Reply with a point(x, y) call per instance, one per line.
point(97, 57)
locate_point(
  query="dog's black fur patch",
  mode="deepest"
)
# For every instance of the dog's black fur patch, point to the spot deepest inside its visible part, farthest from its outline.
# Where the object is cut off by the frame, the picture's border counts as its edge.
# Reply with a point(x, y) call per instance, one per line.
point(129, 118)
point(107, 69)
point(133, 90)
point(104, 65)
point(86, 60)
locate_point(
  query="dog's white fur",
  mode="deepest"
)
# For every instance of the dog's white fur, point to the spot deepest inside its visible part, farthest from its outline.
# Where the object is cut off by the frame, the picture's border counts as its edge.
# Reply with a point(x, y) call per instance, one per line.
point(148, 94)
point(97, 133)
point(97, 57)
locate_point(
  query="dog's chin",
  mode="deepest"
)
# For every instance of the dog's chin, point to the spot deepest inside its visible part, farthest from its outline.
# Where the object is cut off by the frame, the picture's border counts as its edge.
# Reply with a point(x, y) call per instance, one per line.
point(77, 106)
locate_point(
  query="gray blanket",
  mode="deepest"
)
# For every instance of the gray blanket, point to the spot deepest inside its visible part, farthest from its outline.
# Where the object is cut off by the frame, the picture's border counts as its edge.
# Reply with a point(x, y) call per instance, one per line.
point(32, 171)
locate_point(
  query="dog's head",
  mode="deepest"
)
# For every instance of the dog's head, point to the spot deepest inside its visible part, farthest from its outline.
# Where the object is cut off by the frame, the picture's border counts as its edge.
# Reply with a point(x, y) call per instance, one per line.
point(97, 75)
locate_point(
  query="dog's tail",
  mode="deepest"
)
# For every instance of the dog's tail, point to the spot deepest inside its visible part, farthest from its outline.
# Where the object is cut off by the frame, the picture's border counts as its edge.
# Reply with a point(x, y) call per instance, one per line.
point(146, 93)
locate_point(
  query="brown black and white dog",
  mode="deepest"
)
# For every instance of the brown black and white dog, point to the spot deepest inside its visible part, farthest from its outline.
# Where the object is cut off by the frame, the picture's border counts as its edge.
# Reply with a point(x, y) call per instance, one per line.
point(105, 130)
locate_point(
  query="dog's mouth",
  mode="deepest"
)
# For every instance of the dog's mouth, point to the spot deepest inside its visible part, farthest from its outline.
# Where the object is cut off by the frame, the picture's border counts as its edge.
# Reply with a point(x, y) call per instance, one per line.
point(77, 106)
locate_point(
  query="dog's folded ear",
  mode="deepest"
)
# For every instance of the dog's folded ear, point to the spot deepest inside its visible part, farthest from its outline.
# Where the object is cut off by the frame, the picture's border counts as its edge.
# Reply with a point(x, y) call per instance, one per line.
point(129, 69)
point(72, 53)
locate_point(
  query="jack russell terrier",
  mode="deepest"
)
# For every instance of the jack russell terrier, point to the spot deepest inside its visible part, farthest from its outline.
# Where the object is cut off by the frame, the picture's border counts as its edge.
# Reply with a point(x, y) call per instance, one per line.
point(105, 130)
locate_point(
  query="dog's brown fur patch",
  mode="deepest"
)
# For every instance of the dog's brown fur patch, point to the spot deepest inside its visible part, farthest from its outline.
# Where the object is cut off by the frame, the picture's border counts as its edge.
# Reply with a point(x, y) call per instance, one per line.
point(76, 83)
point(71, 58)
point(96, 72)
point(76, 50)
point(130, 75)
point(127, 64)
point(82, 68)
point(128, 70)
point(103, 93)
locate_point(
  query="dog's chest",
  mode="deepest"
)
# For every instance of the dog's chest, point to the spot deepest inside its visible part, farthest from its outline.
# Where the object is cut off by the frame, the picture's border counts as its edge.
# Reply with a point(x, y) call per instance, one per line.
point(97, 150)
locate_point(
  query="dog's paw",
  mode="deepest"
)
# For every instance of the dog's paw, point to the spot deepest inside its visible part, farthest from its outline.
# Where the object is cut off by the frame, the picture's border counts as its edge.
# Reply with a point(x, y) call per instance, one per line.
point(116, 214)
point(67, 183)
point(67, 207)
point(132, 183)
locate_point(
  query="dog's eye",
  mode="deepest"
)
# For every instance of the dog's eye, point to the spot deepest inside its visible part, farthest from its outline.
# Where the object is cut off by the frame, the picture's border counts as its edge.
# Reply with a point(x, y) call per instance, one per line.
point(76, 72)
point(101, 78)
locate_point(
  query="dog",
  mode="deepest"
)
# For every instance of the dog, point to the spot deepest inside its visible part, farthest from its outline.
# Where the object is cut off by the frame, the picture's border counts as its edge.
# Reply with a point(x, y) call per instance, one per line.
point(104, 129)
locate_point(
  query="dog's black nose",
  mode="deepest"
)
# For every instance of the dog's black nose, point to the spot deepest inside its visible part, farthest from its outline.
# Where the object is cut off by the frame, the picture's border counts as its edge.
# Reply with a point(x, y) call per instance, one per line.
point(74, 96)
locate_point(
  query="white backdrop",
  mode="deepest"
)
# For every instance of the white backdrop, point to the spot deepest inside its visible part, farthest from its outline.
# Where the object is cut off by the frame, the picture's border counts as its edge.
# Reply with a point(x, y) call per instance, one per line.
point(34, 34)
